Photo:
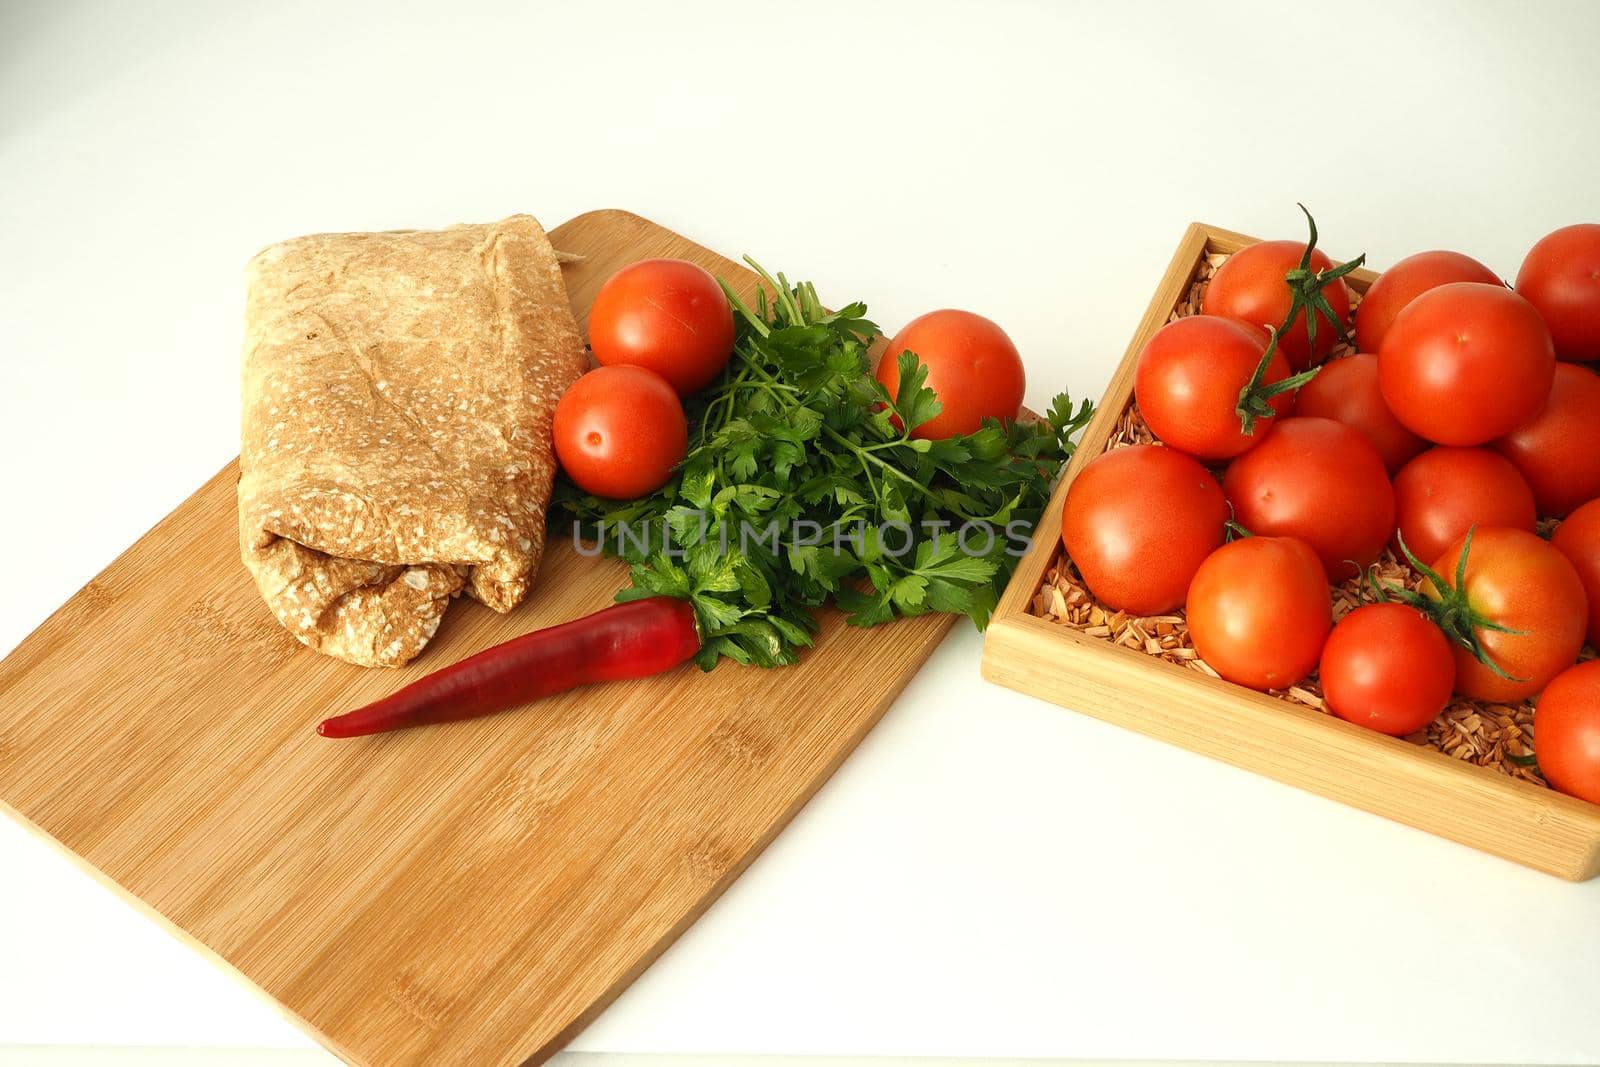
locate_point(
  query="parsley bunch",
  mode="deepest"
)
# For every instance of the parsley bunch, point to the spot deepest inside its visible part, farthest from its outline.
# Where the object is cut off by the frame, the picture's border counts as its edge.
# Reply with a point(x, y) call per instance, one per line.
point(799, 487)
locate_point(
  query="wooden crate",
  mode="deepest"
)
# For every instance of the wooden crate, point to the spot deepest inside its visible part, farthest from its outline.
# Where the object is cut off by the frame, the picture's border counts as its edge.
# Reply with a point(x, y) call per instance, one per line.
point(1476, 806)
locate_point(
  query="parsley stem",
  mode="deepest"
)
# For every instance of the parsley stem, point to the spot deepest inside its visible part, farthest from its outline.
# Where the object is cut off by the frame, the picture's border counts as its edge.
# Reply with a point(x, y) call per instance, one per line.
point(865, 454)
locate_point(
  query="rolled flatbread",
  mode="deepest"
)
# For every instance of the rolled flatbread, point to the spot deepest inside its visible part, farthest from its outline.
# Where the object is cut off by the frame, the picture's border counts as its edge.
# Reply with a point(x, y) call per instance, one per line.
point(398, 391)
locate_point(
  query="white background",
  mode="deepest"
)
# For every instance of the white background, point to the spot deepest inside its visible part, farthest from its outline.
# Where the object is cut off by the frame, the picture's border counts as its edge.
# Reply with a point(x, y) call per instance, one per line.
point(989, 875)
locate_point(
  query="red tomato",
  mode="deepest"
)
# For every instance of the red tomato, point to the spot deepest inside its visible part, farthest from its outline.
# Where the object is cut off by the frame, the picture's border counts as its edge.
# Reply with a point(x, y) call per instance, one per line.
point(667, 315)
point(1445, 492)
point(1465, 363)
point(1407, 280)
point(619, 431)
point(1389, 668)
point(973, 368)
point(1558, 450)
point(1259, 611)
point(1320, 481)
point(1566, 732)
point(1188, 381)
point(1346, 390)
point(1138, 522)
point(1250, 288)
point(1561, 277)
point(1515, 579)
point(1578, 539)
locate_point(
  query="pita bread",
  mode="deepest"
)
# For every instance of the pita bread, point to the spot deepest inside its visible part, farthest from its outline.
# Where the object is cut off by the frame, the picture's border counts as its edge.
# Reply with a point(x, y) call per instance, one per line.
point(398, 392)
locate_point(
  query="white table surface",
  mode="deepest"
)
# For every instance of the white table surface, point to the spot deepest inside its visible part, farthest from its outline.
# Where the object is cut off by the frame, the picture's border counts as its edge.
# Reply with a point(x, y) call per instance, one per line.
point(989, 875)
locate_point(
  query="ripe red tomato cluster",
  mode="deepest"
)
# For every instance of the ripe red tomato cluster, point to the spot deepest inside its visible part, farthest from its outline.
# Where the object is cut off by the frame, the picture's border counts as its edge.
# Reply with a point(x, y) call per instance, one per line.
point(1458, 413)
point(660, 329)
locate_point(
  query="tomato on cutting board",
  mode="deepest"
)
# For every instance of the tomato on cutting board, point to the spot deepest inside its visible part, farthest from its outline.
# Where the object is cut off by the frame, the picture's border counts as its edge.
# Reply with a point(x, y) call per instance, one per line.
point(1558, 450)
point(1561, 277)
point(1188, 381)
point(1566, 731)
point(1578, 538)
point(1407, 280)
point(1138, 522)
point(667, 315)
point(619, 431)
point(973, 368)
point(1252, 287)
point(1514, 580)
point(1346, 390)
point(1465, 363)
point(1319, 481)
point(1445, 492)
point(1389, 668)
point(1259, 610)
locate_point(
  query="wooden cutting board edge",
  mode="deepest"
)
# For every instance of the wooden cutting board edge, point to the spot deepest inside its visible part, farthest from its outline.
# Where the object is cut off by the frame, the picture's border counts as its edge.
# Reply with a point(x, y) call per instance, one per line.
point(692, 916)
point(187, 939)
point(578, 1024)
point(38, 642)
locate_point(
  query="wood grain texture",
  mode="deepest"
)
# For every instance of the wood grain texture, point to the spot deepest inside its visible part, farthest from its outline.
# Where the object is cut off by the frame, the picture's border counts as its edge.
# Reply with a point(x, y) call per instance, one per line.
point(1476, 806)
point(474, 893)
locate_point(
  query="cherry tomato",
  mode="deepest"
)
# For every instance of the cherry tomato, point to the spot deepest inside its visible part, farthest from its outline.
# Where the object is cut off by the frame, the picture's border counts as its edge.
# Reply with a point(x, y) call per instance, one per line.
point(1407, 280)
point(1346, 390)
point(1250, 288)
point(1320, 481)
point(1566, 731)
point(1578, 538)
point(1561, 277)
point(1558, 450)
point(1259, 611)
point(1515, 579)
point(667, 315)
point(619, 431)
point(973, 368)
point(1465, 363)
point(1188, 381)
point(1389, 668)
point(1138, 522)
point(1445, 492)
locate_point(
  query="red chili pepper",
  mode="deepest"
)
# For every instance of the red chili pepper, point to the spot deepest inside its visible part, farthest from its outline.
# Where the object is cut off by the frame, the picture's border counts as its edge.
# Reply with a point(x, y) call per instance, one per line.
point(632, 640)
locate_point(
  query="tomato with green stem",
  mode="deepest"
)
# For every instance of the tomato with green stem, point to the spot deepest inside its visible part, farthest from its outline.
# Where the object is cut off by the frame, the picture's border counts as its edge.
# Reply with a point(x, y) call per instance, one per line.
point(1259, 611)
point(1209, 386)
point(1320, 481)
point(1346, 390)
point(1407, 280)
point(1465, 363)
point(1389, 668)
point(1289, 286)
point(1138, 522)
point(1445, 492)
point(1561, 277)
point(1558, 450)
point(1566, 731)
point(1513, 606)
point(1578, 538)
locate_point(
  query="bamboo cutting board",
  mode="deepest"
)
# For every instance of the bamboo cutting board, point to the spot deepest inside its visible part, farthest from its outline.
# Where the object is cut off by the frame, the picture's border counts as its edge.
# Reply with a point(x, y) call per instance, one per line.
point(474, 893)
